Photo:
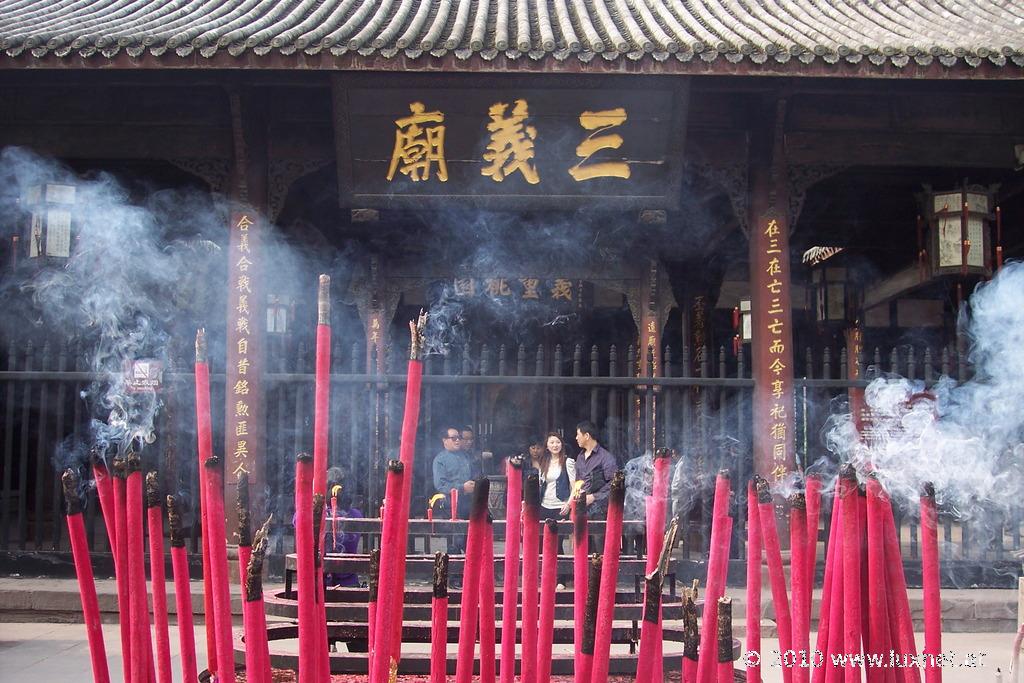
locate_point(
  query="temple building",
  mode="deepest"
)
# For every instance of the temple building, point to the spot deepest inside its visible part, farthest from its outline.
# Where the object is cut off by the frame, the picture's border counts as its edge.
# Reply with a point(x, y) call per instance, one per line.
point(699, 224)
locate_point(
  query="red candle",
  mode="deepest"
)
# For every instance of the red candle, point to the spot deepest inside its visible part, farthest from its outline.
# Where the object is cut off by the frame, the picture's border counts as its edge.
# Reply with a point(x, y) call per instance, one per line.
point(828, 592)
point(848, 496)
point(86, 582)
point(469, 607)
point(372, 592)
point(439, 621)
point(204, 432)
point(813, 488)
point(753, 583)
point(309, 662)
point(691, 638)
point(800, 594)
point(531, 562)
point(214, 478)
point(549, 578)
point(383, 656)
point(580, 571)
point(137, 603)
point(878, 615)
point(725, 673)
point(257, 651)
point(776, 577)
point(487, 607)
point(585, 671)
point(182, 594)
point(105, 493)
point(321, 431)
point(609, 575)
point(718, 566)
point(407, 455)
point(120, 545)
point(930, 585)
point(158, 578)
point(510, 584)
point(454, 494)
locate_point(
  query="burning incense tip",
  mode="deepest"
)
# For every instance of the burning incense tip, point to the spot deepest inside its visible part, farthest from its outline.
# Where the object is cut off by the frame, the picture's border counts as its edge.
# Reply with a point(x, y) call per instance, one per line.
point(152, 490)
point(724, 474)
point(132, 461)
point(848, 471)
point(201, 345)
point(440, 575)
point(516, 461)
point(691, 637)
point(617, 496)
point(396, 466)
point(304, 457)
point(174, 522)
point(724, 630)
point(417, 330)
point(481, 489)
point(531, 493)
point(764, 492)
point(373, 574)
point(928, 489)
point(71, 499)
point(245, 537)
point(323, 301)
point(590, 611)
point(318, 519)
point(212, 462)
point(798, 501)
point(664, 452)
point(254, 572)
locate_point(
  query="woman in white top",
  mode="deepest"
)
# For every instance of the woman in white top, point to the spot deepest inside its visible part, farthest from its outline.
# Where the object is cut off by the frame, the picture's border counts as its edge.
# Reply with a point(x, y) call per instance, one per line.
point(556, 471)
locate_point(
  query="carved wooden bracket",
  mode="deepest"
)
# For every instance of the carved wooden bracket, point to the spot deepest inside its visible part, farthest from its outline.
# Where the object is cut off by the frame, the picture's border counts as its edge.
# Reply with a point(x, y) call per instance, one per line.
point(214, 172)
point(282, 174)
point(733, 179)
point(801, 179)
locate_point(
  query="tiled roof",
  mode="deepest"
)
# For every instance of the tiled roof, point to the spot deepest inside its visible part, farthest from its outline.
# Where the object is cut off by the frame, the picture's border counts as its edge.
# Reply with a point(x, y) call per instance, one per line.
point(882, 32)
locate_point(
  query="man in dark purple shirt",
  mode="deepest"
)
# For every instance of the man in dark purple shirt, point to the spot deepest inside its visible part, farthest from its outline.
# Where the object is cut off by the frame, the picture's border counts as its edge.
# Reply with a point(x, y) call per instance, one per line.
point(594, 467)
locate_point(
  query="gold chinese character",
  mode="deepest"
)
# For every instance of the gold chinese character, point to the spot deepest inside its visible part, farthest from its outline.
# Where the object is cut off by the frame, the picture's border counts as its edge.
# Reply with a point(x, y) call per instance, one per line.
point(241, 449)
point(777, 366)
point(779, 451)
point(773, 228)
point(777, 412)
point(418, 147)
point(243, 347)
point(779, 472)
point(652, 326)
point(375, 336)
point(775, 326)
point(562, 289)
point(243, 284)
point(241, 387)
point(465, 286)
point(777, 346)
point(243, 224)
point(776, 307)
point(773, 268)
point(242, 325)
point(243, 304)
point(777, 385)
point(778, 430)
point(497, 287)
point(530, 286)
point(243, 264)
point(774, 286)
point(241, 409)
point(242, 428)
point(240, 469)
point(243, 243)
point(511, 145)
point(599, 122)
point(243, 366)
point(375, 323)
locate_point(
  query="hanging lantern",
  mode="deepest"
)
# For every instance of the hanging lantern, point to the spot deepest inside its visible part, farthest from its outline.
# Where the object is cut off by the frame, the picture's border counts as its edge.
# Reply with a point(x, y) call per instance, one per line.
point(959, 231)
point(50, 208)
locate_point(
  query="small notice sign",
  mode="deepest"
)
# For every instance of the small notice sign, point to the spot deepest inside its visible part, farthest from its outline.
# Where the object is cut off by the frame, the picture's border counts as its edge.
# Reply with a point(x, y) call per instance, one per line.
point(143, 376)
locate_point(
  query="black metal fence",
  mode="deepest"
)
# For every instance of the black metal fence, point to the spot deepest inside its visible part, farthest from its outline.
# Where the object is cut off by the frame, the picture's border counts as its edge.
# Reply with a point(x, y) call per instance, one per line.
point(698, 404)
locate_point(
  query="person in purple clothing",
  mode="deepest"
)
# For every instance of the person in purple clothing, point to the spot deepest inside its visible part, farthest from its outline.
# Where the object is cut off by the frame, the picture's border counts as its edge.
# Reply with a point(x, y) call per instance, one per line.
point(595, 467)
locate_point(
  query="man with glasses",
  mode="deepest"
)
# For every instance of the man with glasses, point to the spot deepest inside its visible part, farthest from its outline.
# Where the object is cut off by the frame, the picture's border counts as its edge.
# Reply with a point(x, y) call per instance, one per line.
point(454, 469)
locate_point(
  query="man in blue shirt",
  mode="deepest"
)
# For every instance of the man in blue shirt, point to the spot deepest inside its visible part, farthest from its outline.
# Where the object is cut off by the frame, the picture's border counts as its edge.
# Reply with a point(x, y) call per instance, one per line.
point(454, 469)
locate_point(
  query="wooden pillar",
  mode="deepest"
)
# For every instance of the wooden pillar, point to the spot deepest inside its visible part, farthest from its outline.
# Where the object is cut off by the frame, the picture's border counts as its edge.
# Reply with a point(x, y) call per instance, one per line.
point(245, 400)
point(650, 354)
point(770, 267)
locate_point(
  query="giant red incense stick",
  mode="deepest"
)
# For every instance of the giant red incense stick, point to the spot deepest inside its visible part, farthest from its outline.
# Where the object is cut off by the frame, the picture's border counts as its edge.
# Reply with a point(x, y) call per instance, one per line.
point(439, 621)
point(120, 547)
point(609, 579)
point(580, 572)
point(214, 478)
point(799, 580)
point(510, 584)
point(930, 584)
point(182, 594)
point(407, 455)
point(835, 645)
point(488, 618)
point(898, 603)
point(878, 613)
point(86, 582)
point(848, 496)
point(548, 579)
point(691, 638)
point(257, 652)
point(647, 670)
point(813, 489)
point(753, 583)
point(776, 577)
point(531, 563)
point(383, 658)
point(655, 536)
point(244, 524)
point(309, 662)
point(158, 578)
point(321, 428)
point(724, 669)
point(372, 591)
point(469, 607)
point(586, 668)
point(137, 602)
point(828, 592)
point(204, 431)
point(323, 655)
point(718, 567)
point(105, 493)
